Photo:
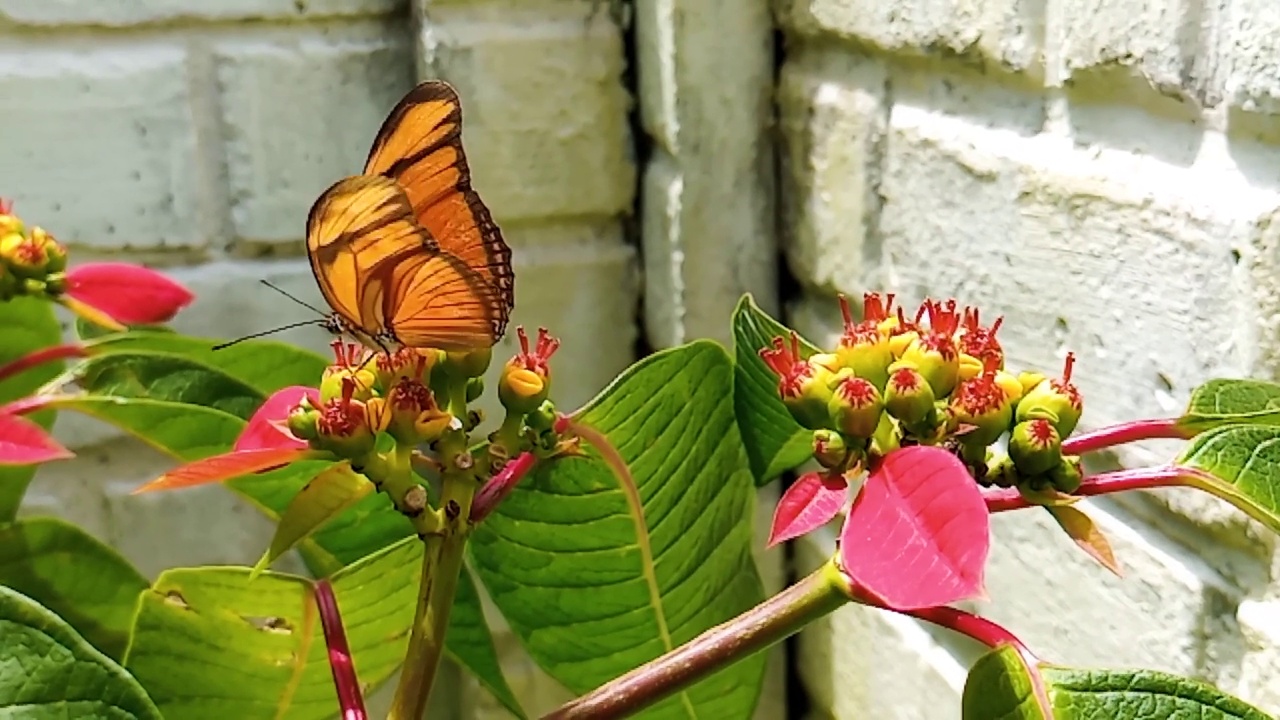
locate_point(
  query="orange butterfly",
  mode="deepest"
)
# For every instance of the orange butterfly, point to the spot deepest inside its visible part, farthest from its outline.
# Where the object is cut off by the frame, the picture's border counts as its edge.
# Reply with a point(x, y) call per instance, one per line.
point(407, 253)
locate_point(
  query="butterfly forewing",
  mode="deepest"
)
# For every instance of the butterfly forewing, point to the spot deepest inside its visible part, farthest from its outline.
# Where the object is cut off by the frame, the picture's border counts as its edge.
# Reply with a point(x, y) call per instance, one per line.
point(420, 146)
point(358, 232)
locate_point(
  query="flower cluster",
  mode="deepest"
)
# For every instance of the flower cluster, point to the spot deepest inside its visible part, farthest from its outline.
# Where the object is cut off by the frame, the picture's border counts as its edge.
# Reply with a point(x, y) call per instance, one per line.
point(933, 378)
point(110, 294)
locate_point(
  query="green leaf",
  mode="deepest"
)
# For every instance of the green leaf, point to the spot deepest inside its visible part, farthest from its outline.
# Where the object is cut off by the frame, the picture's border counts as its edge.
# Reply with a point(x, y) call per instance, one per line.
point(999, 688)
point(264, 365)
point(470, 643)
point(1084, 694)
point(209, 643)
point(86, 330)
point(1225, 401)
point(775, 442)
point(51, 672)
point(595, 580)
point(73, 574)
point(1240, 464)
point(323, 498)
point(187, 432)
point(29, 325)
point(169, 378)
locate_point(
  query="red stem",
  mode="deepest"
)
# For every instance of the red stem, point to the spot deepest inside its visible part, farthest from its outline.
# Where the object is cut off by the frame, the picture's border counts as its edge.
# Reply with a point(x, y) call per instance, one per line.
point(500, 486)
point(1002, 499)
point(1155, 429)
point(344, 672)
point(29, 404)
point(41, 356)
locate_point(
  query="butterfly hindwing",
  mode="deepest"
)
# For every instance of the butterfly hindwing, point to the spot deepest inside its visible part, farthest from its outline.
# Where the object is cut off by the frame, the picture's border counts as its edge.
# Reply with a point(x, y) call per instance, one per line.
point(420, 147)
point(438, 301)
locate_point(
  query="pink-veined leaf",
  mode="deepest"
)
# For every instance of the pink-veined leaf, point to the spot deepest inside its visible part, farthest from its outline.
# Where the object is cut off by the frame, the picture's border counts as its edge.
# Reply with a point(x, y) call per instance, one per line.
point(266, 430)
point(811, 502)
point(225, 467)
point(1081, 528)
point(23, 442)
point(918, 533)
point(127, 293)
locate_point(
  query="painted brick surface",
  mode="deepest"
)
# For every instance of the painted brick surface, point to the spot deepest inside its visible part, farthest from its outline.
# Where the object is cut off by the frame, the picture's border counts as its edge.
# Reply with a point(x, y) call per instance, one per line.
point(102, 119)
point(139, 12)
point(1111, 191)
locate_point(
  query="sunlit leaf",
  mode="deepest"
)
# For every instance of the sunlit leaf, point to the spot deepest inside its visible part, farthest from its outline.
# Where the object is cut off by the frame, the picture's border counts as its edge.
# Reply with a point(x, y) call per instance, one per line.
point(1228, 402)
point(29, 325)
point(73, 574)
point(595, 581)
point(918, 533)
point(51, 673)
point(774, 441)
point(1238, 463)
point(322, 499)
point(1000, 685)
point(1085, 693)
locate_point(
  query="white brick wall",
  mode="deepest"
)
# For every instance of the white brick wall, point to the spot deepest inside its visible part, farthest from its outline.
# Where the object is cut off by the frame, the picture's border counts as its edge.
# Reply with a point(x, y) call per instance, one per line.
point(1105, 175)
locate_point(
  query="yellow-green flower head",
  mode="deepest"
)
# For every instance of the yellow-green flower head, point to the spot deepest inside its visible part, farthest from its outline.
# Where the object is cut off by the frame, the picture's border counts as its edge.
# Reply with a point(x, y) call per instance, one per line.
point(350, 362)
point(864, 346)
point(1035, 447)
point(805, 386)
point(984, 407)
point(1056, 400)
point(855, 407)
point(908, 396)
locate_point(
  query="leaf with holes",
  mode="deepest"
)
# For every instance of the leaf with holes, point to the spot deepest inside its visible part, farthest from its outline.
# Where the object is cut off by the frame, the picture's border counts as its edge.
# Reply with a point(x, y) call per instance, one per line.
point(29, 325)
point(1238, 464)
point(775, 442)
point(918, 532)
point(73, 574)
point(596, 580)
point(50, 672)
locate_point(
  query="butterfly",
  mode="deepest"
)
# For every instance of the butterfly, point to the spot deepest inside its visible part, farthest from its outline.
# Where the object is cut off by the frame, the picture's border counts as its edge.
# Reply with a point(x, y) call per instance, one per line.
point(407, 253)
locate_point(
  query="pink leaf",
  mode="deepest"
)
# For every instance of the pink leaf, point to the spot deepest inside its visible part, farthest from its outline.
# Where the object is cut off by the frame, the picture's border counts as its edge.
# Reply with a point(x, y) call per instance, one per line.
point(266, 430)
point(224, 467)
point(807, 505)
point(130, 294)
point(23, 442)
point(918, 534)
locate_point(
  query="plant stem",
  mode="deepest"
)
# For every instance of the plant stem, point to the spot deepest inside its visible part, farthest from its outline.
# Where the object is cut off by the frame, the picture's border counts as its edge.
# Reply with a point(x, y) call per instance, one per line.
point(345, 682)
point(1004, 499)
point(1163, 428)
point(766, 624)
point(442, 559)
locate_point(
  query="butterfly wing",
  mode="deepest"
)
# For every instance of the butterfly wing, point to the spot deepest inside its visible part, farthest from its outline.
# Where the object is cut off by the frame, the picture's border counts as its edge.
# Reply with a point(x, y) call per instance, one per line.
point(436, 300)
point(420, 147)
point(358, 232)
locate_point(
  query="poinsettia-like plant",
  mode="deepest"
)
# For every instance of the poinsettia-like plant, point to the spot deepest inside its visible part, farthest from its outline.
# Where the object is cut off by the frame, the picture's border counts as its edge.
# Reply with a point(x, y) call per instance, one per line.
point(615, 540)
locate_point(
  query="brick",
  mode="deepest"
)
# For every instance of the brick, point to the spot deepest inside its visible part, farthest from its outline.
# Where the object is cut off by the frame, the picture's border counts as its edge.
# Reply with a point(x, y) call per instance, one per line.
point(1148, 44)
point(103, 148)
point(1070, 610)
point(861, 662)
point(1248, 56)
point(833, 115)
point(299, 116)
point(706, 75)
point(139, 12)
point(1006, 34)
point(544, 110)
point(1260, 622)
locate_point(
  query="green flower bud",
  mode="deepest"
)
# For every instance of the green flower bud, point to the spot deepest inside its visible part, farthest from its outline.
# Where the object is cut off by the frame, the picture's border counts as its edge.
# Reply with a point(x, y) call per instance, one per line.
point(475, 388)
point(982, 405)
point(543, 417)
point(302, 421)
point(865, 351)
point(855, 407)
point(936, 358)
point(1067, 475)
point(25, 256)
point(829, 449)
point(469, 363)
point(908, 396)
point(1055, 400)
point(1035, 446)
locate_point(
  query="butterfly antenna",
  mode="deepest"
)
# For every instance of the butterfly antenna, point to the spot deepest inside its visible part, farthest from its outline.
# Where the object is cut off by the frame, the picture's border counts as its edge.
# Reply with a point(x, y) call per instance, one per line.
point(283, 292)
point(290, 326)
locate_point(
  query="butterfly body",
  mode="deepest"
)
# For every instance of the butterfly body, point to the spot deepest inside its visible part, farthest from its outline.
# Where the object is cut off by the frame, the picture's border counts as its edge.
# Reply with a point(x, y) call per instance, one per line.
point(407, 253)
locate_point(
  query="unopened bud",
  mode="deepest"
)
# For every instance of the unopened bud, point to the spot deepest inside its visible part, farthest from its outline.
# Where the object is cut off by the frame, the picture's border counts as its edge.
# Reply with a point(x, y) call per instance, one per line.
point(1035, 446)
point(1067, 475)
point(908, 396)
point(829, 448)
point(855, 407)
